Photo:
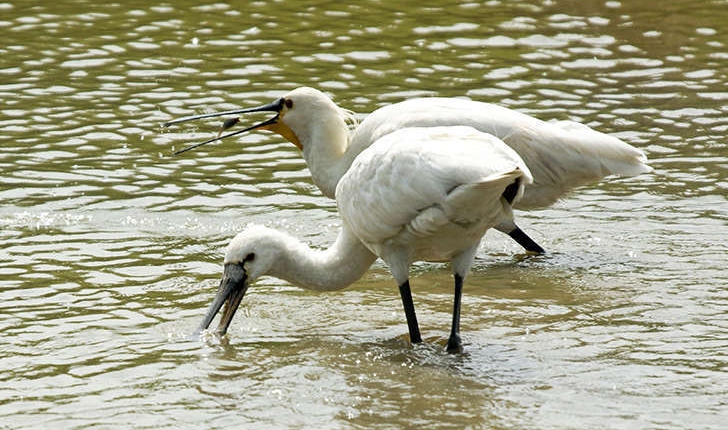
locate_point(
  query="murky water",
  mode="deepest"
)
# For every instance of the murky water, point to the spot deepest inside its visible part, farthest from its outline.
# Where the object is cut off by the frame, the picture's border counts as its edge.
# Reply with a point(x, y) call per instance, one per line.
point(110, 249)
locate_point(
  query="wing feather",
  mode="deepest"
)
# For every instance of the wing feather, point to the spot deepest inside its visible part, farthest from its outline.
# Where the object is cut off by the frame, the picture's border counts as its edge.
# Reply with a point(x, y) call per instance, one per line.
point(561, 155)
point(411, 180)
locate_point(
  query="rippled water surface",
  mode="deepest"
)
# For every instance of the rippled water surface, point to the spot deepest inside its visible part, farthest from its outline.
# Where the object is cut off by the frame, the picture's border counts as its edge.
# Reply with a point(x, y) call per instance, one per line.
point(110, 249)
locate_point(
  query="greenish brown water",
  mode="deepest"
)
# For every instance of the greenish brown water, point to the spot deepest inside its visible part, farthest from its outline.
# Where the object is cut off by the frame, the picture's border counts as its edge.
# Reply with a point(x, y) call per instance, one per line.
point(110, 249)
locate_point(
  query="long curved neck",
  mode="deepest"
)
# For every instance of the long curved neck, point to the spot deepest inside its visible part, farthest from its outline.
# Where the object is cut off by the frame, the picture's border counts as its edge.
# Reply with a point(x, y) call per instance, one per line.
point(327, 154)
point(327, 270)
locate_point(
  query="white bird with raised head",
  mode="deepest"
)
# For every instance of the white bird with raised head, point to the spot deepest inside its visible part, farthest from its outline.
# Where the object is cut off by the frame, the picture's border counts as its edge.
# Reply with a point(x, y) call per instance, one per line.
point(415, 194)
point(561, 155)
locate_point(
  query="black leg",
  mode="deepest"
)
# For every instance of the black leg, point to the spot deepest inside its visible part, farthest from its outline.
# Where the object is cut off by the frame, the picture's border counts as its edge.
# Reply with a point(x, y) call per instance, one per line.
point(526, 242)
point(409, 311)
point(454, 345)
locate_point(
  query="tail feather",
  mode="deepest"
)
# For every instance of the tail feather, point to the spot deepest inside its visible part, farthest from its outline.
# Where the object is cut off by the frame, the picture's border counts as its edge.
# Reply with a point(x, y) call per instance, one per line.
point(487, 192)
point(566, 155)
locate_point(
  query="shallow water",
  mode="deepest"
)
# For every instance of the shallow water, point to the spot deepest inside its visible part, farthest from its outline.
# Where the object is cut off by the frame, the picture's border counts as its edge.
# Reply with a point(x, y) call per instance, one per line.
point(110, 249)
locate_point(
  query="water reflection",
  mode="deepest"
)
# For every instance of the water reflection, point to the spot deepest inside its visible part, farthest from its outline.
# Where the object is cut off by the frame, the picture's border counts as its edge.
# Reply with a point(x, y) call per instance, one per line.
point(110, 248)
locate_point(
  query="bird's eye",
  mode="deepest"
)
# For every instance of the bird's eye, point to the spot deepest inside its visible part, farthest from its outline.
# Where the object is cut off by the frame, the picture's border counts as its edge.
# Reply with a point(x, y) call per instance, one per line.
point(289, 103)
point(249, 257)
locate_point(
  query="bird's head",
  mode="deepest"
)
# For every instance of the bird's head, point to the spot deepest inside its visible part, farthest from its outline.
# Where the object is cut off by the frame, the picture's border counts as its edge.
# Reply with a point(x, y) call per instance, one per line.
point(297, 116)
point(250, 255)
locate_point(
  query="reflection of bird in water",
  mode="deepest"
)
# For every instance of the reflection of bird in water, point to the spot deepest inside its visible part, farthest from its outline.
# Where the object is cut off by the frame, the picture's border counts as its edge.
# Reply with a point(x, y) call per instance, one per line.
point(420, 193)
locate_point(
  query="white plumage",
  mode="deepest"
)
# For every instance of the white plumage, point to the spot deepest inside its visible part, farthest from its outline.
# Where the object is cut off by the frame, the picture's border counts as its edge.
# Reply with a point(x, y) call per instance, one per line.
point(408, 197)
point(420, 180)
point(410, 186)
point(560, 155)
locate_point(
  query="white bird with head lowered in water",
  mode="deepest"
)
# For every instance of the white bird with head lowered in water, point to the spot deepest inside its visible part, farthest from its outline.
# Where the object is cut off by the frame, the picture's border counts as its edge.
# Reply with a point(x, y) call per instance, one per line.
point(420, 193)
point(560, 156)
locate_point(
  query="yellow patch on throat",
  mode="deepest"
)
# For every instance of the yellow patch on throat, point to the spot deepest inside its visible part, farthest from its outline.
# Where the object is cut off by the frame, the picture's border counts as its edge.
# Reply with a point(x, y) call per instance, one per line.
point(285, 131)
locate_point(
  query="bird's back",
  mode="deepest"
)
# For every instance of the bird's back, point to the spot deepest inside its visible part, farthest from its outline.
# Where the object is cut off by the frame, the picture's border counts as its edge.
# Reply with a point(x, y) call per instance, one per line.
point(433, 190)
point(561, 156)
